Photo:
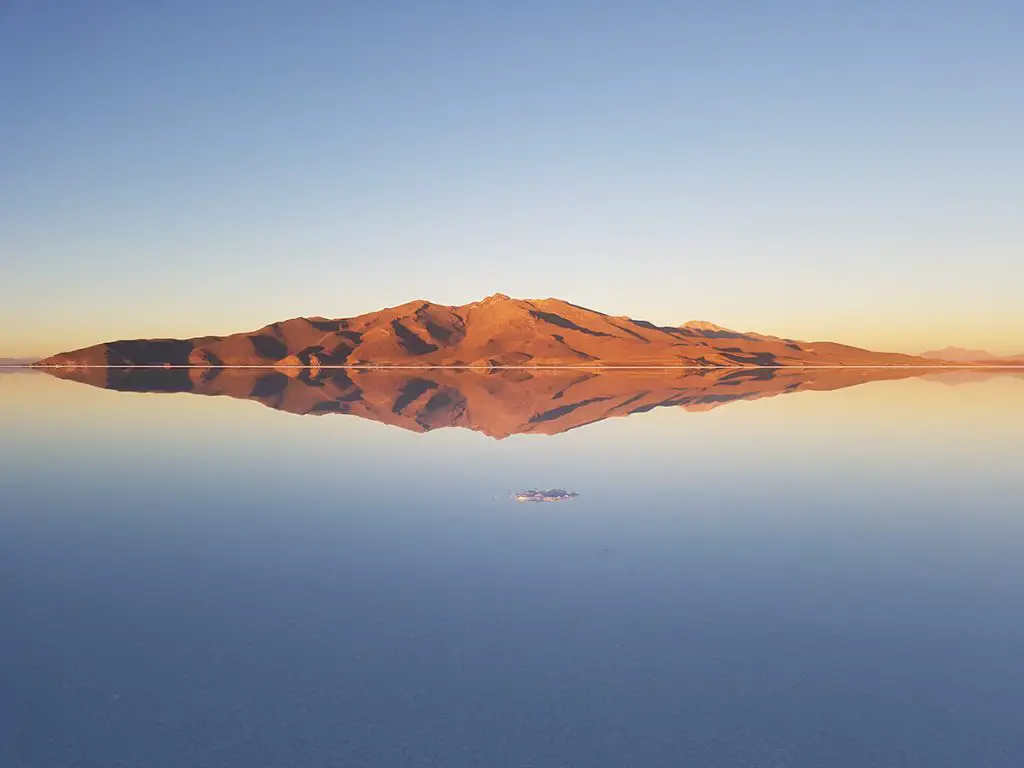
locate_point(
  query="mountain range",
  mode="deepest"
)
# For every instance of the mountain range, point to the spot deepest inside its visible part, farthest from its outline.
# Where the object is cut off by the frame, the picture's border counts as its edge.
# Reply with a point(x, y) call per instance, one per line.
point(493, 333)
point(497, 403)
point(961, 355)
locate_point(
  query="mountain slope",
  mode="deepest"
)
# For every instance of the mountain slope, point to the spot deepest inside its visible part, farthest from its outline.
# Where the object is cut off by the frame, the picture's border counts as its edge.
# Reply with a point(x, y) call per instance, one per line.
point(495, 332)
point(961, 355)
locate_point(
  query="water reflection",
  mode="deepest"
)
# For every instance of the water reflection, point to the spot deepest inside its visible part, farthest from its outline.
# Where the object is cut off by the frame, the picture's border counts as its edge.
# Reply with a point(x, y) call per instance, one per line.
point(497, 403)
point(825, 580)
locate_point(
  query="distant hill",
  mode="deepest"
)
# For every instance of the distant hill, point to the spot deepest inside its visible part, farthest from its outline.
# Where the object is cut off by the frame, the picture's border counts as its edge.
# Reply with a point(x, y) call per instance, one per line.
point(961, 355)
point(496, 332)
point(17, 360)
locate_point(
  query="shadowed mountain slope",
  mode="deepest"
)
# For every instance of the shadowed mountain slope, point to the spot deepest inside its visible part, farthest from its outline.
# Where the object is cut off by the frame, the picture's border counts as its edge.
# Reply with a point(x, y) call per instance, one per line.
point(497, 403)
point(496, 332)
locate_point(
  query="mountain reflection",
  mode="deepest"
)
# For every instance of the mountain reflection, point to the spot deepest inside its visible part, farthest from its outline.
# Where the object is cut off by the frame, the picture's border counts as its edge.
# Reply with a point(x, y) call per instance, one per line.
point(497, 403)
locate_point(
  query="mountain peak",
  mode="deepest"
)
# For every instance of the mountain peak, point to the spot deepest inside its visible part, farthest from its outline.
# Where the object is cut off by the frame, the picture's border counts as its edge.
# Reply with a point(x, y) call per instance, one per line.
point(704, 325)
point(495, 299)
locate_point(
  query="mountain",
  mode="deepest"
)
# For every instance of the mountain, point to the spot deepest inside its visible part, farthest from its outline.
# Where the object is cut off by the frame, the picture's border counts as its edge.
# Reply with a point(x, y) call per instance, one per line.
point(495, 332)
point(497, 403)
point(18, 360)
point(961, 355)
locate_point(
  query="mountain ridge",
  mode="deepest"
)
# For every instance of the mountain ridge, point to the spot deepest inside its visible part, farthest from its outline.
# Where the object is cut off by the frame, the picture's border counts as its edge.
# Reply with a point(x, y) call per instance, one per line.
point(962, 355)
point(495, 332)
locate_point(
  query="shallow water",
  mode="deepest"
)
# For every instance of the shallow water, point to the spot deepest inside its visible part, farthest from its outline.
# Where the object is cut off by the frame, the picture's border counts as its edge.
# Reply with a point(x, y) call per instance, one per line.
point(785, 578)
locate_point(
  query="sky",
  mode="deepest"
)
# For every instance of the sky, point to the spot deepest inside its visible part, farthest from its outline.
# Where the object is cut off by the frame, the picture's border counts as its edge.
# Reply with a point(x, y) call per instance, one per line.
point(843, 171)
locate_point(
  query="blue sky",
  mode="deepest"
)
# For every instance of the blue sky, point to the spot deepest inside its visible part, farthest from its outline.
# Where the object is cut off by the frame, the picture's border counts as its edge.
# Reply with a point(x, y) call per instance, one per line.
point(850, 171)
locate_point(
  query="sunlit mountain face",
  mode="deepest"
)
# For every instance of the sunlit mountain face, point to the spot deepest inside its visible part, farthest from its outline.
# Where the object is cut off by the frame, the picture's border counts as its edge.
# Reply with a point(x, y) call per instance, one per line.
point(496, 332)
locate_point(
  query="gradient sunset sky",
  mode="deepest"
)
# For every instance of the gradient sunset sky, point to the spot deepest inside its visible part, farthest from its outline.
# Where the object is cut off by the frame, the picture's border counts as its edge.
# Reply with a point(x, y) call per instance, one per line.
point(844, 171)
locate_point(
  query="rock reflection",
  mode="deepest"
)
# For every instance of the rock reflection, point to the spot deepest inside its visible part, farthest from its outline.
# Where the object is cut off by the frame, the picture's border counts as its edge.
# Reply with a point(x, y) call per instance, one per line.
point(496, 402)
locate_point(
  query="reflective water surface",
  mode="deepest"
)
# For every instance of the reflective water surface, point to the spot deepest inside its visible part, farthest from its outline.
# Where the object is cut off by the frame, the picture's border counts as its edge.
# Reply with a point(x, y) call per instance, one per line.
point(814, 569)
